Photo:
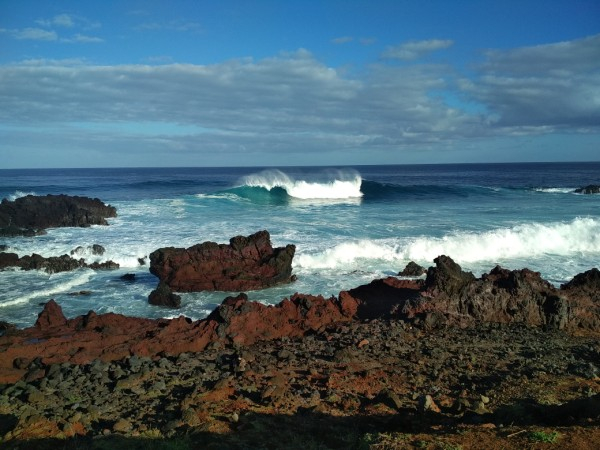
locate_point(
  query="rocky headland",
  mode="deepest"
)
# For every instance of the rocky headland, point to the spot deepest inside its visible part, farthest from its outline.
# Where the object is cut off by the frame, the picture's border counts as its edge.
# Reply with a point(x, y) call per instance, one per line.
point(445, 361)
point(31, 215)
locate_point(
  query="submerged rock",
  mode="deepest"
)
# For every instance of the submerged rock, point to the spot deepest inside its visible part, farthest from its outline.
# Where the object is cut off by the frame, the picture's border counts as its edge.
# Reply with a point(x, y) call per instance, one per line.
point(589, 189)
point(247, 263)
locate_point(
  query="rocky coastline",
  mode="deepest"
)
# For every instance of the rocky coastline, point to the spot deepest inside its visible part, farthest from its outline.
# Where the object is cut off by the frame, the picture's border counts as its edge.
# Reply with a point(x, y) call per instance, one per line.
point(434, 358)
point(488, 356)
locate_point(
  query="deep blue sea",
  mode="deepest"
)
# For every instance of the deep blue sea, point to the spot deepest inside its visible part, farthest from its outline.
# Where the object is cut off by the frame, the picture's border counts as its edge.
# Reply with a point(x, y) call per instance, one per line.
point(350, 225)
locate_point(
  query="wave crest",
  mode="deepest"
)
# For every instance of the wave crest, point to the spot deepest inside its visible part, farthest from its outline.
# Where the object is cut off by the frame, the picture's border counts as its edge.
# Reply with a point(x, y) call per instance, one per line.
point(580, 236)
point(338, 185)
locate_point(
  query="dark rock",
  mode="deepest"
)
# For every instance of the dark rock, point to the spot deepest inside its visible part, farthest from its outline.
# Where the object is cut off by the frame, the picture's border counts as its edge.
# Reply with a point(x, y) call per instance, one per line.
point(26, 214)
point(79, 293)
point(128, 277)
point(106, 265)
point(95, 249)
point(247, 263)
point(8, 260)
point(53, 264)
point(6, 327)
point(412, 269)
point(447, 277)
point(589, 189)
point(164, 296)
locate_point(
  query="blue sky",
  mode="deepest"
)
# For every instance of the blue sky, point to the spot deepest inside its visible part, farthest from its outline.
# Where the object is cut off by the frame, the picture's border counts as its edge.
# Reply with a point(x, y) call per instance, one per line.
point(234, 83)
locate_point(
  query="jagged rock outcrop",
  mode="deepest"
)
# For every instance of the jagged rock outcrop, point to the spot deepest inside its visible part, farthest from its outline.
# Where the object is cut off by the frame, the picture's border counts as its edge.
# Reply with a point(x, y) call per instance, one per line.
point(450, 296)
point(589, 189)
point(30, 214)
point(52, 264)
point(247, 263)
point(413, 269)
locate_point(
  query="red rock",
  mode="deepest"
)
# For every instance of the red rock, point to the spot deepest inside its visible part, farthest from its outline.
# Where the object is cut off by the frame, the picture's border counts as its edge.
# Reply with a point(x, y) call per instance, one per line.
point(247, 263)
point(500, 296)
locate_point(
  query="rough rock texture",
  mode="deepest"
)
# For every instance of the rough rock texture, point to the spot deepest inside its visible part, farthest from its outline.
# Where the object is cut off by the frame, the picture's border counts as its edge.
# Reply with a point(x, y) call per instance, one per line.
point(412, 269)
point(54, 339)
point(52, 264)
point(589, 189)
point(27, 215)
point(447, 297)
point(247, 263)
point(164, 296)
point(450, 296)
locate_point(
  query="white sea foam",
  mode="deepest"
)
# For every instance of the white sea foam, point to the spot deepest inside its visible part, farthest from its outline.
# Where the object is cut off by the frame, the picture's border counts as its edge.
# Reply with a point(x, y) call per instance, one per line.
point(556, 190)
point(580, 236)
point(19, 194)
point(339, 185)
point(58, 283)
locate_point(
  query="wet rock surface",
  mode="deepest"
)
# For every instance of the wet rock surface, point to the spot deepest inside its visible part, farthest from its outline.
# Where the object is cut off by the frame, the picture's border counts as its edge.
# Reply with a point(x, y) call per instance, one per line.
point(52, 264)
point(589, 189)
point(246, 263)
point(31, 214)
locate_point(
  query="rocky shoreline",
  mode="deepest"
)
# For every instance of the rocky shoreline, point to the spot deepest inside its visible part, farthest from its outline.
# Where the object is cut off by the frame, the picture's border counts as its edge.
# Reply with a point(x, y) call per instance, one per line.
point(446, 360)
point(435, 358)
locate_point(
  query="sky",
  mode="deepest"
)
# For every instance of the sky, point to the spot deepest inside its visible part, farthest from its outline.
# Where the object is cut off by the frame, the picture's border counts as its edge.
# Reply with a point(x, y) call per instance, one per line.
point(183, 83)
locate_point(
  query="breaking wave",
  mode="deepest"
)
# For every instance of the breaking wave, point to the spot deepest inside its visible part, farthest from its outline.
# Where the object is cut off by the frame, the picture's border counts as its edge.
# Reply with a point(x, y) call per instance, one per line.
point(336, 185)
point(19, 194)
point(578, 237)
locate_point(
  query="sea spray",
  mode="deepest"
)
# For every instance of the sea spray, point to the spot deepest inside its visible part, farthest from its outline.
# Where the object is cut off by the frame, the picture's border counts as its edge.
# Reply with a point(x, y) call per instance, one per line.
point(570, 239)
point(338, 185)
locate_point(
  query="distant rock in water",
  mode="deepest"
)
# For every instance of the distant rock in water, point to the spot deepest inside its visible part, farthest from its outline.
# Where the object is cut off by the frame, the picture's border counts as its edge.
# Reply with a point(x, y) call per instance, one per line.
point(247, 263)
point(30, 215)
point(53, 264)
point(589, 189)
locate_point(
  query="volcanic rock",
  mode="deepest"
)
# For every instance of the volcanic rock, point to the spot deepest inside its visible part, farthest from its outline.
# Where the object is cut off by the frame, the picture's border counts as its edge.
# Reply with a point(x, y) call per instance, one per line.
point(589, 189)
point(412, 269)
point(52, 264)
point(164, 296)
point(247, 263)
point(450, 296)
point(27, 215)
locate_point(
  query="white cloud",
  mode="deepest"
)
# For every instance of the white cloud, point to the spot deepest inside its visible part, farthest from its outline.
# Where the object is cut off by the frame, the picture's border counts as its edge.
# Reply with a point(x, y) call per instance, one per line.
point(542, 87)
point(179, 25)
point(416, 49)
point(292, 102)
point(34, 34)
point(81, 38)
point(342, 40)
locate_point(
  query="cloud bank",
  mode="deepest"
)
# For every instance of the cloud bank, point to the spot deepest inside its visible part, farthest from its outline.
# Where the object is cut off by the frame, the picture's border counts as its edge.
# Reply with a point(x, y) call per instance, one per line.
point(292, 102)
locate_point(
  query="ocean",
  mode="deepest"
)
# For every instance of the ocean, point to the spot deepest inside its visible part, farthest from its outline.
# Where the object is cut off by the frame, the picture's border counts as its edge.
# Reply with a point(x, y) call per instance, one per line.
point(350, 225)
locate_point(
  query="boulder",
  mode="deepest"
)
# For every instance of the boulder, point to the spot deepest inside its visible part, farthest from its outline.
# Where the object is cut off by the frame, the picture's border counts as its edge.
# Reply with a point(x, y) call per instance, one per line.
point(589, 189)
point(26, 215)
point(164, 296)
point(247, 263)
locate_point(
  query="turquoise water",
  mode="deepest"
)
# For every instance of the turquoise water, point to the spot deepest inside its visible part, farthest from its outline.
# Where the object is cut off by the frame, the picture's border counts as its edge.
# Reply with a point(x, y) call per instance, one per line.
point(350, 225)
